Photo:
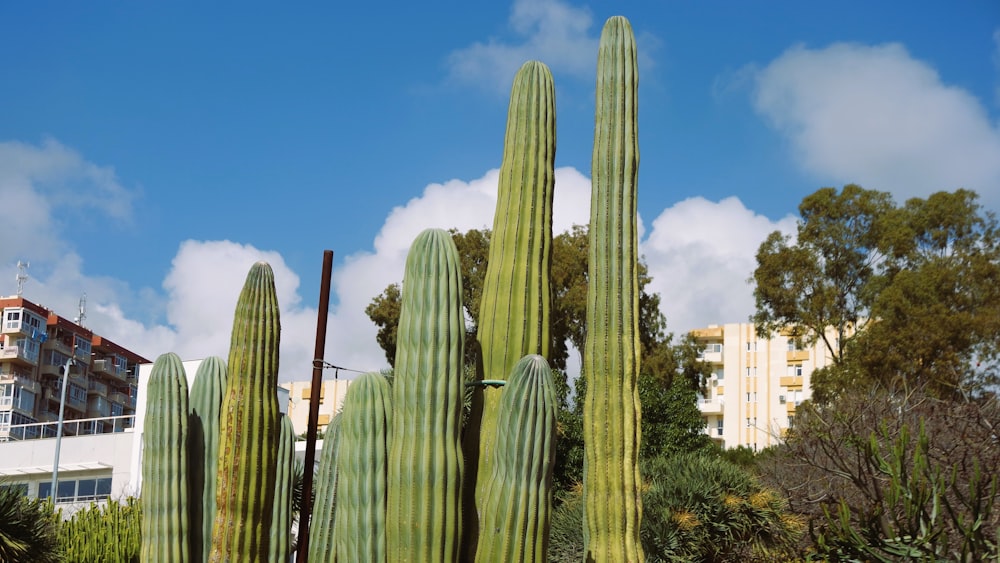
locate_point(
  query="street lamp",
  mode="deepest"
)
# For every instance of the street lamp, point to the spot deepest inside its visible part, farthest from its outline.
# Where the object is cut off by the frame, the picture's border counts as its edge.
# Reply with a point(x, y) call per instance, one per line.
point(59, 425)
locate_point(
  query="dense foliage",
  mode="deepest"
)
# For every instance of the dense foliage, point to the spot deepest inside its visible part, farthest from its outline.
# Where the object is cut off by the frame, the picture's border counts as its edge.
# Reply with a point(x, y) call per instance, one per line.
point(869, 279)
point(696, 507)
point(108, 532)
point(28, 528)
point(897, 455)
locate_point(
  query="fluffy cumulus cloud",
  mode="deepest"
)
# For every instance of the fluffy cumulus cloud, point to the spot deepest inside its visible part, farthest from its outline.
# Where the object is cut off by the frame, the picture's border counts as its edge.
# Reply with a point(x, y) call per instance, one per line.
point(546, 30)
point(700, 254)
point(875, 116)
point(455, 204)
point(199, 292)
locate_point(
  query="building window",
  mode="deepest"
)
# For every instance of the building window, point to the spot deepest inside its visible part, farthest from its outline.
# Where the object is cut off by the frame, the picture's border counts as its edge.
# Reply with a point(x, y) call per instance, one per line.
point(752, 397)
point(751, 371)
point(13, 320)
point(751, 346)
point(715, 347)
point(794, 345)
point(791, 421)
point(82, 346)
point(795, 370)
point(77, 491)
point(24, 399)
point(77, 393)
point(718, 427)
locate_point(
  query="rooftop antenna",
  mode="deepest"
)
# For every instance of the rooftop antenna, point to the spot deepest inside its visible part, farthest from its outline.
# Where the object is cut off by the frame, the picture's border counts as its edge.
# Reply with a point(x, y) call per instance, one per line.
point(22, 276)
point(83, 311)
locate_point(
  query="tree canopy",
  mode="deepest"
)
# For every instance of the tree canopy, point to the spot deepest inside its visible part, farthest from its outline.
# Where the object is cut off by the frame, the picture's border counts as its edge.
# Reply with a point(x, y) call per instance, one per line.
point(899, 295)
point(569, 300)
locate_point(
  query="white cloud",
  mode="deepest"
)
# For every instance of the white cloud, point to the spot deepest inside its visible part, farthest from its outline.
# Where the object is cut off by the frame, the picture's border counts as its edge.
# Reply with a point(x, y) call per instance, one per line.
point(45, 183)
point(700, 255)
point(454, 204)
point(875, 116)
point(551, 31)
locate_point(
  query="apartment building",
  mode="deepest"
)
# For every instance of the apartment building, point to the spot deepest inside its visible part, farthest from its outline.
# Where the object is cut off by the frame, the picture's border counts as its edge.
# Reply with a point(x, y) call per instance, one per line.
point(36, 345)
point(756, 383)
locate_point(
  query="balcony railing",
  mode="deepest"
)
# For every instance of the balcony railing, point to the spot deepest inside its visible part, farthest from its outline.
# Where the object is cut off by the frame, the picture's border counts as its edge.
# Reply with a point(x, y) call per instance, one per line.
point(15, 352)
point(97, 388)
point(71, 428)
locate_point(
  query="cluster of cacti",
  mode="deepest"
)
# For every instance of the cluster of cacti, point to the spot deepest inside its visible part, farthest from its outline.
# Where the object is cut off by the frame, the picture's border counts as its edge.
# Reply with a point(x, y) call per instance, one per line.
point(393, 477)
point(110, 533)
point(612, 414)
point(210, 473)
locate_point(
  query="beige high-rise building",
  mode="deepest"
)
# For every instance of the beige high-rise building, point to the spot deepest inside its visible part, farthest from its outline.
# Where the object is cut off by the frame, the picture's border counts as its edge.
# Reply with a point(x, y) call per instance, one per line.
point(331, 397)
point(756, 383)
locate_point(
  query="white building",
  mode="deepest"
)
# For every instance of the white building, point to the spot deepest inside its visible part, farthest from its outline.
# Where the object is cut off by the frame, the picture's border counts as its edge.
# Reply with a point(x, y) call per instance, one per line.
point(756, 383)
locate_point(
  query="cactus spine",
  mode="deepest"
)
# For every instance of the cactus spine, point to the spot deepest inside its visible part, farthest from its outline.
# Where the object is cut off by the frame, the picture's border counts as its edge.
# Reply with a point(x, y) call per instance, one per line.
point(361, 469)
point(425, 460)
point(518, 498)
point(281, 521)
point(514, 315)
point(321, 527)
point(249, 425)
point(612, 414)
point(203, 447)
point(164, 464)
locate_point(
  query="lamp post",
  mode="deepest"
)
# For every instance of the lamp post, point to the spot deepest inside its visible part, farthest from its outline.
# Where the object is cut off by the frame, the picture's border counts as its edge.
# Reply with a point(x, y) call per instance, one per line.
point(59, 425)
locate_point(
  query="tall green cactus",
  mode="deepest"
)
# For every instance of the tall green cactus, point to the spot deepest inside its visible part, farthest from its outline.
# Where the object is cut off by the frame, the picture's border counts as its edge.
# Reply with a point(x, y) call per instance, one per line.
point(361, 469)
point(249, 425)
point(164, 464)
point(281, 521)
point(514, 314)
point(517, 503)
point(612, 414)
point(425, 459)
point(322, 545)
point(205, 403)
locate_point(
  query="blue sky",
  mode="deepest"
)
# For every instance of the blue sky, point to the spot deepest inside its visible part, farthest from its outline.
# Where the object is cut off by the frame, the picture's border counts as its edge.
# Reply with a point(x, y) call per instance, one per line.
point(150, 152)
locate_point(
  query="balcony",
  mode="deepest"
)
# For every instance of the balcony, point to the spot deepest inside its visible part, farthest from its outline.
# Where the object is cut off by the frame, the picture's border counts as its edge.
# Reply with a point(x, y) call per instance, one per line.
point(791, 381)
point(711, 407)
point(107, 367)
point(97, 388)
point(122, 399)
point(18, 354)
point(98, 407)
point(797, 355)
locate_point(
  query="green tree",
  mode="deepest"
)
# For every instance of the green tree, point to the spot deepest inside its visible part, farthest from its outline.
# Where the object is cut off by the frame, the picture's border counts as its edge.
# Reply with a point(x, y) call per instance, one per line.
point(823, 279)
point(28, 528)
point(869, 278)
point(569, 298)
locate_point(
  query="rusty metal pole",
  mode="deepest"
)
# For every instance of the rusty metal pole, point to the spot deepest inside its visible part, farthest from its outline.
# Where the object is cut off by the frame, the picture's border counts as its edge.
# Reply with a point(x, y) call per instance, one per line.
point(302, 553)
